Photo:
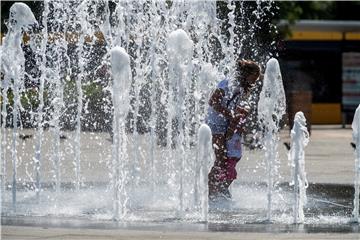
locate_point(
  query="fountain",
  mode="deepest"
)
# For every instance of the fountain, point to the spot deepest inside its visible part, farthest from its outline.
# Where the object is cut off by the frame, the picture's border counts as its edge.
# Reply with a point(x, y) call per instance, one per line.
point(271, 109)
point(74, 43)
point(205, 159)
point(120, 67)
point(14, 66)
point(356, 138)
point(112, 109)
point(179, 50)
point(299, 140)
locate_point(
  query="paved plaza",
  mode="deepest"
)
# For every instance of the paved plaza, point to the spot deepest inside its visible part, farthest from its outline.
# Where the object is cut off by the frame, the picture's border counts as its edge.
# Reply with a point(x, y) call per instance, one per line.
point(27, 233)
point(329, 157)
point(329, 162)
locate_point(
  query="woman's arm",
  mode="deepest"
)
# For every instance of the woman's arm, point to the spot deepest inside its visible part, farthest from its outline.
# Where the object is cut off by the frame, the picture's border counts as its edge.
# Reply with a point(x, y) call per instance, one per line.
point(215, 102)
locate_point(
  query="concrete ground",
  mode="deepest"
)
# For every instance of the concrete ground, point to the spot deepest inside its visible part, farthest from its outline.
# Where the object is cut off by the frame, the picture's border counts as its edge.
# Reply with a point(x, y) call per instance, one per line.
point(329, 160)
point(27, 233)
point(329, 157)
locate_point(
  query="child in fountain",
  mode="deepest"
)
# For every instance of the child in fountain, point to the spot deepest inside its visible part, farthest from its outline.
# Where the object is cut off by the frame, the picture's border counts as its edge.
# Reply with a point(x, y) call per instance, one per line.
point(225, 119)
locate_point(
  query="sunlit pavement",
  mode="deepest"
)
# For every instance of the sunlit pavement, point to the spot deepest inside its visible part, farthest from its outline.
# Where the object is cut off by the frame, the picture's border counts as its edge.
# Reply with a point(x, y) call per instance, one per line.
point(25, 233)
point(329, 161)
point(329, 157)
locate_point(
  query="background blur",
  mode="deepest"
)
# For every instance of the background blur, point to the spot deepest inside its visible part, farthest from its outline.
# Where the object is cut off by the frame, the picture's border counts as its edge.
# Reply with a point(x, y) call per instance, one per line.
point(318, 47)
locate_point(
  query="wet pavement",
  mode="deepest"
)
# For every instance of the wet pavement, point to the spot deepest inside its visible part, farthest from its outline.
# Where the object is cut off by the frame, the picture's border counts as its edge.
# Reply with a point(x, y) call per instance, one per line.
point(330, 172)
point(329, 157)
point(175, 225)
point(152, 232)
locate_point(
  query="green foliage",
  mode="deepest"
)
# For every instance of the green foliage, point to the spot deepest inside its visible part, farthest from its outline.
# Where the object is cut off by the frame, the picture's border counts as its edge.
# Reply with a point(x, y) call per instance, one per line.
point(28, 98)
point(327, 10)
point(294, 10)
point(289, 10)
point(69, 91)
point(92, 90)
point(314, 10)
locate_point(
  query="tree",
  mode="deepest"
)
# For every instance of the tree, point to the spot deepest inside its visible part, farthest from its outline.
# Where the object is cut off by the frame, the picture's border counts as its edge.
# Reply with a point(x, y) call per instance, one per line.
point(315, 10)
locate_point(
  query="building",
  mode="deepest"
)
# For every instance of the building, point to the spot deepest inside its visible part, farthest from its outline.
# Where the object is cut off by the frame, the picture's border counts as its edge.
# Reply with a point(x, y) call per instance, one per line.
point(321, 70)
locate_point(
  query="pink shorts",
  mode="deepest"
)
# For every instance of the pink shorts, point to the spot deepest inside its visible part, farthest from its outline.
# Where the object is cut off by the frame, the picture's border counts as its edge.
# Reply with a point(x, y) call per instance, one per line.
point(229, 171)
point(231, 168)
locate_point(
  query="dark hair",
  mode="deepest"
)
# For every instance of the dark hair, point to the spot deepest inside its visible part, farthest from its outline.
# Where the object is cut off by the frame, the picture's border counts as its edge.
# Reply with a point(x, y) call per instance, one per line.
point(247, 67)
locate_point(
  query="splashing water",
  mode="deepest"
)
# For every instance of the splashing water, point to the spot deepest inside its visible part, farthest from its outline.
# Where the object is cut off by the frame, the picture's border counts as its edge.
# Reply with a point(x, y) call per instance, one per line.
point(179, 50)
point(141, 71)
point(68, 39)
point(271, 108)
point(356, 137)
point(205, 159)
point(120, 68)
point(13, 66)
point(299, 140)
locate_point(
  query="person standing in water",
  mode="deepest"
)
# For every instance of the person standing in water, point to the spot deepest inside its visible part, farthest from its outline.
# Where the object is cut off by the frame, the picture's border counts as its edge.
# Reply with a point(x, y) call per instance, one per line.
point(228, 108)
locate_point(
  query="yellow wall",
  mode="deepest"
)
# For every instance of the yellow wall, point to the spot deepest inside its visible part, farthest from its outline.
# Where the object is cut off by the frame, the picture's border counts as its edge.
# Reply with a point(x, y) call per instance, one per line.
point(326, 113)
point(316, 35)
point(323, 36)
point(352, 36)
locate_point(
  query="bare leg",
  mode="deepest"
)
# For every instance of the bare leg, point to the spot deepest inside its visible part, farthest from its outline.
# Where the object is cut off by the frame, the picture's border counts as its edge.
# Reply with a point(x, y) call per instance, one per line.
point(219, 165)
point(218, 141)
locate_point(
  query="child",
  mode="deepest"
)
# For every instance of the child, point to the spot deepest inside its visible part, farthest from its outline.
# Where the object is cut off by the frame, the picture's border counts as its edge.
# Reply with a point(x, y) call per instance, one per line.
point(233, 144)
point(222, 113)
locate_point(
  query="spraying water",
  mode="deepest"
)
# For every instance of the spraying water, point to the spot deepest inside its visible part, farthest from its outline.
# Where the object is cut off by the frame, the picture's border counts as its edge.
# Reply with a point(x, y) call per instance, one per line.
point(180, 50)
point(154, 101)
point(271, 108)
point(205, 158)
point(13, 66)
point(3, 136)
point(74, 58)
point(57, 74)
point(2, 160)
point(299, 140)
point(356, 137)
point(40, 118)
point(83, 15)
point(120, 68)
